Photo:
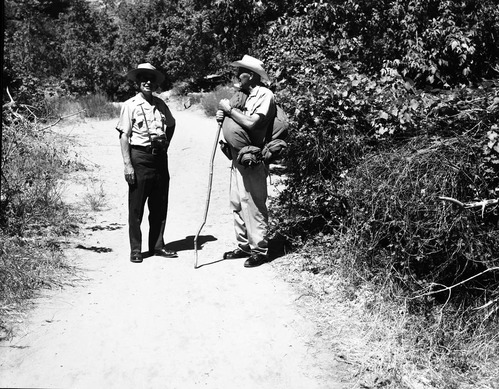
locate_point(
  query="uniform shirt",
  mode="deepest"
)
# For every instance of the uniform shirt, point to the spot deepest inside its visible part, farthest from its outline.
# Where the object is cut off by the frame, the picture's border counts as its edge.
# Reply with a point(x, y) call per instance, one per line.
point(141, 120)
point(260, 101)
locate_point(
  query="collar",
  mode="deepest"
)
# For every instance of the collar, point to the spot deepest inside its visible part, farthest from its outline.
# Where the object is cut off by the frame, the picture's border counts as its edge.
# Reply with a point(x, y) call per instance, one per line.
point(254, 91)
point(142, 100)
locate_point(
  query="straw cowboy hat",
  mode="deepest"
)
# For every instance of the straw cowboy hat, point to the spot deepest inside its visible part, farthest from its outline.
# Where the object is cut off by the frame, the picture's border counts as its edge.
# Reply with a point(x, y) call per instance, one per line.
point(146, 68)
point(253, 64)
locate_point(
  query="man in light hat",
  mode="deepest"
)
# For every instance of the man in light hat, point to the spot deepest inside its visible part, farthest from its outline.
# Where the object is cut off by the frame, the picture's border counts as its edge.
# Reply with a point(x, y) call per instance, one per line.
point(146, 127)
point(248, 190)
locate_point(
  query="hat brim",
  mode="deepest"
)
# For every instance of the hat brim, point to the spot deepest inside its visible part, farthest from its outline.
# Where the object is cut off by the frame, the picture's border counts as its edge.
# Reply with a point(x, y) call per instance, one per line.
point(260, 72)
point(133, 74)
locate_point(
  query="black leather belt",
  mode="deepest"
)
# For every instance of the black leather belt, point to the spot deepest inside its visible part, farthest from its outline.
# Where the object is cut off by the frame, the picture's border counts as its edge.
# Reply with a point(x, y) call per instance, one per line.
point(148, 149)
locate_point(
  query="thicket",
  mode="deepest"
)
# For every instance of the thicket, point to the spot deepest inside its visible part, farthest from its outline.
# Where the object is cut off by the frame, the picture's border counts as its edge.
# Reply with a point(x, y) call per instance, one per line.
point(33, 217)
point(77, 47)
point(391, 77)
point(395, 104)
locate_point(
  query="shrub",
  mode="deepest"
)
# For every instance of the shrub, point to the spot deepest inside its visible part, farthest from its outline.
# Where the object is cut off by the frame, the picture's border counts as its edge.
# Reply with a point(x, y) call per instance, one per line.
point(32, 215)
point(32, 165)
point(401, 228)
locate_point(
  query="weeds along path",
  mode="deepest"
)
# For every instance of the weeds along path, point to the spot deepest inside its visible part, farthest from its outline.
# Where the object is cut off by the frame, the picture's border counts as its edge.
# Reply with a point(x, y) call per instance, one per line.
point(162, 323)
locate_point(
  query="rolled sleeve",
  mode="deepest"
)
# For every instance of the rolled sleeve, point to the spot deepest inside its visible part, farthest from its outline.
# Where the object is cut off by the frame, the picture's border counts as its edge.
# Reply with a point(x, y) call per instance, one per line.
point(261, 102)
point(125, 123)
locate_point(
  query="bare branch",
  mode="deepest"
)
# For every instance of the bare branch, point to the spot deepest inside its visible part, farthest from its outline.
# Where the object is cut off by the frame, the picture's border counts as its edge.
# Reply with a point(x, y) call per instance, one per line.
point(11, 103)
point(448, 288)
point(478, 204)
point(488, 304)
point(60, 118)
point(450, 199)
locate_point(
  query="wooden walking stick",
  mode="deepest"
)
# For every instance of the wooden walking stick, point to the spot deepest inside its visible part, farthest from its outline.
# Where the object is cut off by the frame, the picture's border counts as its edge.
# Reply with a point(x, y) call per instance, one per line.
point(210, 180)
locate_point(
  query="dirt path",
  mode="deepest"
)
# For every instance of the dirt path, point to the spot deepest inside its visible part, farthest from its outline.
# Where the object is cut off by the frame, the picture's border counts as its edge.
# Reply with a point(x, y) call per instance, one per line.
point(163, 324)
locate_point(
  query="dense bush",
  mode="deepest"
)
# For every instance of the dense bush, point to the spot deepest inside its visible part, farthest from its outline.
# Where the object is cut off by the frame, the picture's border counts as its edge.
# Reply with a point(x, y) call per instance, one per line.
point(374, 142)
point(32, 165)
point(400, 226)
point(33, 217)
point(89, 46)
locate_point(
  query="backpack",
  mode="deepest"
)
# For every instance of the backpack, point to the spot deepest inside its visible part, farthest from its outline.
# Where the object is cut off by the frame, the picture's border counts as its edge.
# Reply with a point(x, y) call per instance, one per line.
point(275, 139)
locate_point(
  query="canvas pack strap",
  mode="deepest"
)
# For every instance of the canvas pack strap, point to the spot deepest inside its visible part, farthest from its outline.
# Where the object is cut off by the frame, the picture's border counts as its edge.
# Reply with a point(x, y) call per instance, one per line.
point(270, 127)
point(147, 126)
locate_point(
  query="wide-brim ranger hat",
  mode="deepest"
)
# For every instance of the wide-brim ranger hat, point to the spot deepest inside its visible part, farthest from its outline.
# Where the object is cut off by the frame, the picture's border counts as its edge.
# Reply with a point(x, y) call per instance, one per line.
point(146, 68)
point(253, 64)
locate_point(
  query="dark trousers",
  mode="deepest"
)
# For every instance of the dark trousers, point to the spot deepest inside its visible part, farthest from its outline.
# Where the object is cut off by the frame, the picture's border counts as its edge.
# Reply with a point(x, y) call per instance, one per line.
point(152, 184)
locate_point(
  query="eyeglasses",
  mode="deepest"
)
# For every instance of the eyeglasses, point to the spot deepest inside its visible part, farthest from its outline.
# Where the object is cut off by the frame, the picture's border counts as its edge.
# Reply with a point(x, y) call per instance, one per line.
point(145, 79)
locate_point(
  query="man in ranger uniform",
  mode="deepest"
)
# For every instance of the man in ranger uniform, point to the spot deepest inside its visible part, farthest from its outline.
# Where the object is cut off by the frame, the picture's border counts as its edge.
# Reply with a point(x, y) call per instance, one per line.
point(146, 127)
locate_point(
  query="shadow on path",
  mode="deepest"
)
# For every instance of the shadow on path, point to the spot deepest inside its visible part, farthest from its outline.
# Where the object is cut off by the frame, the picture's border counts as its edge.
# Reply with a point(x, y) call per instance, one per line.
point(188, 243)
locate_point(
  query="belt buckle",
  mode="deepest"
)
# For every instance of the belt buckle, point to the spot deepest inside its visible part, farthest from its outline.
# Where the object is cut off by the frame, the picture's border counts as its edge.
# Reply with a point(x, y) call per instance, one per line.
point(154, 151)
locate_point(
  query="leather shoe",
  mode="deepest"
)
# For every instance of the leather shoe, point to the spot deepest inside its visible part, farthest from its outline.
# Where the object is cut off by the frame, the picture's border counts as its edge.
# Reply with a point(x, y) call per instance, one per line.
point(166, 253)
point(237, 253)
point(136, 257)
point(256, 259)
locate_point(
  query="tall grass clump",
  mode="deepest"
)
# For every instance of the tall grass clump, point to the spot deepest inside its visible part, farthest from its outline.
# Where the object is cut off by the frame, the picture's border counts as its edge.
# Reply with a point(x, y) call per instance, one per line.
point(209, 101)
point(33, 217)
point(96, 106)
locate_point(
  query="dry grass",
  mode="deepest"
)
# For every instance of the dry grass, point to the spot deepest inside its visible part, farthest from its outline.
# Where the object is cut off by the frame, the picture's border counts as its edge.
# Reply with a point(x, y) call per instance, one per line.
point(34, 221)
point(210, 101)
point(381, 343)
point(95, 106)
point(95, 198)
point(27, 265)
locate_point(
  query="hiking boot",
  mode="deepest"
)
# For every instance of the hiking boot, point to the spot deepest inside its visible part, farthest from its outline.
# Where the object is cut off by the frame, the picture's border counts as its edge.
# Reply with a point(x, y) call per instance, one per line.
point(256, 259)
point(136, 257)
point(166, 253)
point(237, 253)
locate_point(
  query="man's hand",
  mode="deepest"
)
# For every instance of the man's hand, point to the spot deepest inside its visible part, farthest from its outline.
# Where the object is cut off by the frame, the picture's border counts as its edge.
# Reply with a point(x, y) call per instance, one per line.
point(224, 105)
point(220, 116)
point(129, 175)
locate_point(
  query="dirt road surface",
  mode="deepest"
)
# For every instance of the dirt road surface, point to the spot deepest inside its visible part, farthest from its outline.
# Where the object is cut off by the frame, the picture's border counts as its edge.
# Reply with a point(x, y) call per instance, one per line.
point(162, 323)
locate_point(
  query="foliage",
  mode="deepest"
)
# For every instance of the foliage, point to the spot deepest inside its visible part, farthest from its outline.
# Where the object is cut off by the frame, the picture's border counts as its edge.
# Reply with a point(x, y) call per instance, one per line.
point(399, 223)
point(31, 168)
point(32, 215)
point(374, 142)
point(86, 38)
point(88, 47)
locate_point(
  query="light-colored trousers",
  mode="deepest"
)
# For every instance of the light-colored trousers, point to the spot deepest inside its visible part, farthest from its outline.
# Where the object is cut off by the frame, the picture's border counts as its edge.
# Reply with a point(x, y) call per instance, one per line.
point(248, 202)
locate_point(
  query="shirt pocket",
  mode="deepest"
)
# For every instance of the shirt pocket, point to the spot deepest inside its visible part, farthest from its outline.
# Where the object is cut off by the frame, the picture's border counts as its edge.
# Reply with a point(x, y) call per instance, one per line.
point(139, 119)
